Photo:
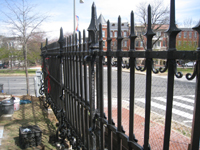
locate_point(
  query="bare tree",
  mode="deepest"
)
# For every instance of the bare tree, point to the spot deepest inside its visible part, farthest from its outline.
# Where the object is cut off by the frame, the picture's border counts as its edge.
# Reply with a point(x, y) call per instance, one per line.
point(159, 15)
point(34, 45)
point(189, 23)
point(23, 21)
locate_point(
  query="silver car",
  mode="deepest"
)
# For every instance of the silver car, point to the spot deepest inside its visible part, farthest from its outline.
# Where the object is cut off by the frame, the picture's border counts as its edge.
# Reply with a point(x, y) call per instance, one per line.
point(190, 64)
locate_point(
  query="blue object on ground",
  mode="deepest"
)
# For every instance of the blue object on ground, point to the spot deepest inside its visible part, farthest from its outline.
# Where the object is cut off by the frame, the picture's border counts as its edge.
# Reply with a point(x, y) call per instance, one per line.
point(26, 101)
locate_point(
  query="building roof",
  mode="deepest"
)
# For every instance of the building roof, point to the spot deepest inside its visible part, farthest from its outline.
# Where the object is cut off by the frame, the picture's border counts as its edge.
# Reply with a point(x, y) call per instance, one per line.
point(101, 20)
point(114, 26)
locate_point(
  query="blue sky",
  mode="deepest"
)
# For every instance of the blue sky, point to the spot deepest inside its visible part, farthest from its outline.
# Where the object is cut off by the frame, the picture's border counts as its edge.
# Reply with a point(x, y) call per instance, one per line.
point(61, 12)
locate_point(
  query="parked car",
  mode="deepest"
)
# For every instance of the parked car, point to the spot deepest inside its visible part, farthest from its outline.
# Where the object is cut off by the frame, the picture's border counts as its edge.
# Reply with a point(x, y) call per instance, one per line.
point(189, 64)
point(3, 66)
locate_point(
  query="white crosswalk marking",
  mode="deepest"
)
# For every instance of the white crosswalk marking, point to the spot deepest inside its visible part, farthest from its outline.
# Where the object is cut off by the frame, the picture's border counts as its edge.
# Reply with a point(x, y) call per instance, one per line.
point(175, 103)
point(162, 107)
point(191, 96)
point(184, 99)
point(179, 101)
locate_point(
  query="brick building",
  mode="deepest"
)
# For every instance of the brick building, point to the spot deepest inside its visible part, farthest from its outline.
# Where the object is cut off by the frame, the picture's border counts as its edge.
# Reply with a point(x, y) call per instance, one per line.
point(186, 39)
point(113, 34)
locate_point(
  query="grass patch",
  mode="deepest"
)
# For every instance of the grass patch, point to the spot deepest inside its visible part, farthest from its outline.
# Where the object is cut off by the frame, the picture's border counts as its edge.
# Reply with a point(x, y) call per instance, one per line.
point(8, 71)
point(185, 70)
point(29, 114)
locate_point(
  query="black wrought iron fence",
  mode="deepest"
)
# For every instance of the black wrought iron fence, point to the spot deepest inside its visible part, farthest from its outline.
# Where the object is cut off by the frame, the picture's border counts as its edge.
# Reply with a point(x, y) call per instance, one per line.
point(74, 88)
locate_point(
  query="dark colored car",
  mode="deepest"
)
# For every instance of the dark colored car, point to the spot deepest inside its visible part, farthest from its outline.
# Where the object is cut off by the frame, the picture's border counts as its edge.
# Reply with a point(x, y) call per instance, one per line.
point(3, 66)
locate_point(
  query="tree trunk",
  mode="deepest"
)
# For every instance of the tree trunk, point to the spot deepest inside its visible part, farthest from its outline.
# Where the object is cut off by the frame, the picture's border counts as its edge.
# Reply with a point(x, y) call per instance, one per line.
point(26, 69)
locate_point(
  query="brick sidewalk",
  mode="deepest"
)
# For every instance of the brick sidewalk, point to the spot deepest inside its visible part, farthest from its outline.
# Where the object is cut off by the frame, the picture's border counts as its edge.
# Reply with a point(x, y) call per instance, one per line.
point(177, 141)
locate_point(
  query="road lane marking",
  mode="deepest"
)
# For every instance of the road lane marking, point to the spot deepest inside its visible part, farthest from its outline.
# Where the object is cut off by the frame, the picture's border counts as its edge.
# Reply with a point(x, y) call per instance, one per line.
point(162, 99)
point(184, 99)
point(162, 107)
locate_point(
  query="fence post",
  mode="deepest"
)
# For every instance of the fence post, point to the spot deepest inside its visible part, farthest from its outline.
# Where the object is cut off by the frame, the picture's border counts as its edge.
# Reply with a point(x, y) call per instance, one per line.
point(93, 46)
point(196, 114)
point(171, 65)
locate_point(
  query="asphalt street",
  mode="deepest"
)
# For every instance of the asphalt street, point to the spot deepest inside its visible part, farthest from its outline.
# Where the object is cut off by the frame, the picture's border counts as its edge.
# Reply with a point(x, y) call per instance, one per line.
point(16, 85)
point(184, 90)
point(183, 102)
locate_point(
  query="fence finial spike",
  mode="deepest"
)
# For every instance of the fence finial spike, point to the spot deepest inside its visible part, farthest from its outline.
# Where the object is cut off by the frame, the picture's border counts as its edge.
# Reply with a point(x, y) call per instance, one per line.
point(149, 34)
point(61, 36)
point(173, 30)
point(119, 26)
point(93, 24)
point(172, 26)
point(132, 34)
point(93, 28)
point(41, 46)
point(132, 25)
point(46, 41)
point(197, 27)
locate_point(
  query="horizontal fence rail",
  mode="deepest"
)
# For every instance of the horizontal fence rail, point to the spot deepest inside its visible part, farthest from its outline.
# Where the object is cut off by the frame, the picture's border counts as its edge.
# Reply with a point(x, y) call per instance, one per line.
point(73, 73)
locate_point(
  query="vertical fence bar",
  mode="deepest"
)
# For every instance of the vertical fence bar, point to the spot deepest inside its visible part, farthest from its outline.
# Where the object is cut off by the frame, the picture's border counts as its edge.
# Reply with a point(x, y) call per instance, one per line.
point(73, 83)
point(101, 86)
point(196, 114)
point(172, 32)
point(69, 77)
point(110, 133)
point(148, 64)
point(119, 86)
point(81, 91)
point(97, 71)
point(93, 36)
point(76, 88)
point(78, 91)
point(67, 81)
point(132, 62)
point(87, 140)
point(71, 80)
point(65, 78)
point(61, 43)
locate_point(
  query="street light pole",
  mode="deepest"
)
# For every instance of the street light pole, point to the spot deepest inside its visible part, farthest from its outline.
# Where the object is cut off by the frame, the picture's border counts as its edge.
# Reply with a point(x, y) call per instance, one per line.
point(81, 1)
point(74, 17)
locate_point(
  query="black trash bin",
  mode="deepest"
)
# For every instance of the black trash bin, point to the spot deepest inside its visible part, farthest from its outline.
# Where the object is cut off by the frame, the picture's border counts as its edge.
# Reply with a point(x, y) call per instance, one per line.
point(7, 107)
point(1, 88)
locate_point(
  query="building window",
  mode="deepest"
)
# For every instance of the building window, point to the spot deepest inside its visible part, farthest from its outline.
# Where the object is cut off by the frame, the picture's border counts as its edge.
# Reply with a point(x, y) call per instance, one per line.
point(179, 35)
point(164, 44)
point(185, 34)
point(158, 43)
point(158, 34)
point(115, 33)
point(137, 43)
point(111, 34)
point(125, 34)
point(103, 33)
point(190, 35)
point(115, 44)
point(195, 34)
point(104, 43)
point(141, 43)
point(125, 43)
